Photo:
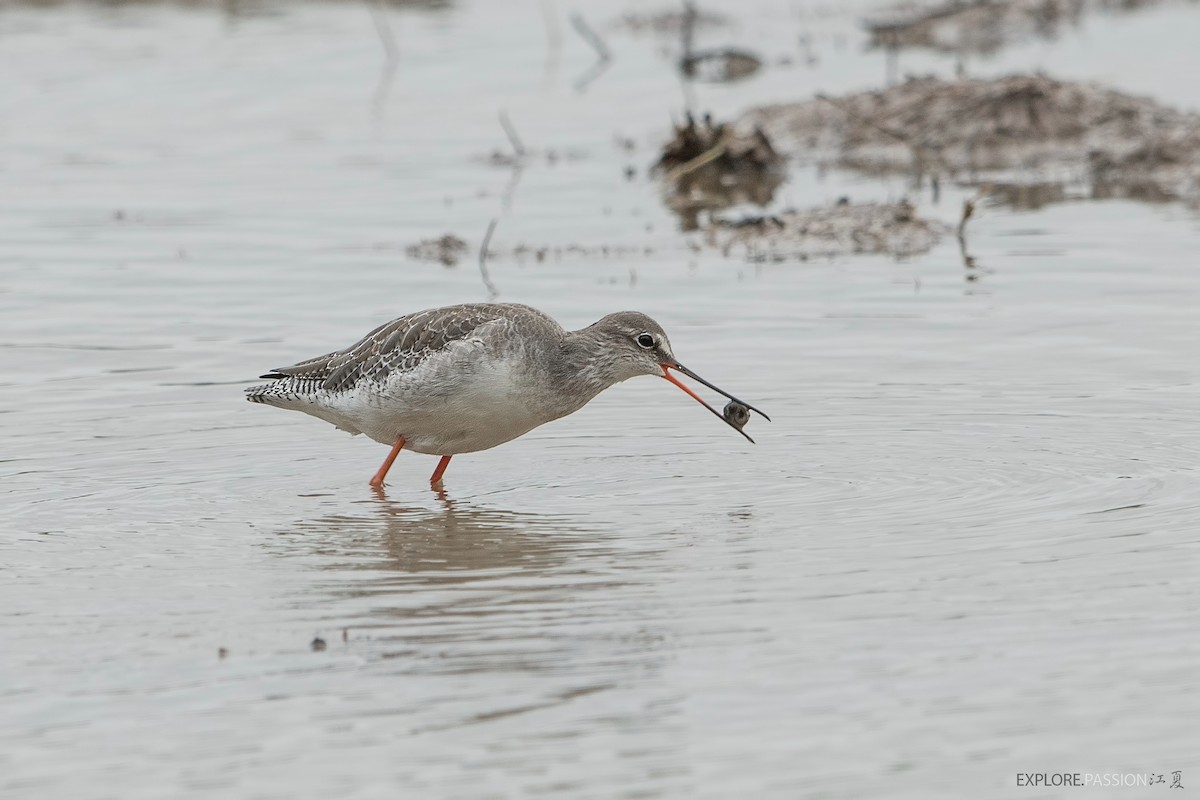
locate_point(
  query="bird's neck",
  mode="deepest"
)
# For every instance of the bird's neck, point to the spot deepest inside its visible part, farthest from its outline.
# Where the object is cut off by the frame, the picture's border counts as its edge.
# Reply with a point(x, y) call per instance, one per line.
point(585, 366)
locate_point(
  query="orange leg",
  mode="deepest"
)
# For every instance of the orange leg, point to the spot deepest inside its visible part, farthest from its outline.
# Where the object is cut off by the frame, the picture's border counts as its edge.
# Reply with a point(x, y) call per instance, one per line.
point(441, 469)
point(377, 481)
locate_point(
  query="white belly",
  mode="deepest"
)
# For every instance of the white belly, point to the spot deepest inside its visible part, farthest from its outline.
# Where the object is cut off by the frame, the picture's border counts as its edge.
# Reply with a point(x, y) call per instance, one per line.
point(446, 408)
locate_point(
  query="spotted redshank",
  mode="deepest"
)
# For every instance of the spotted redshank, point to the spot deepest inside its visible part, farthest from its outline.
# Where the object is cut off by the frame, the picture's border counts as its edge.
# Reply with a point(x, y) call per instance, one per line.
point(469, 377)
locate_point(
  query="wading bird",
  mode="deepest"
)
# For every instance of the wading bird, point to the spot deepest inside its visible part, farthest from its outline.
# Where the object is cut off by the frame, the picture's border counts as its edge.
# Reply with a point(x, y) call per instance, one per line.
point(469, 377)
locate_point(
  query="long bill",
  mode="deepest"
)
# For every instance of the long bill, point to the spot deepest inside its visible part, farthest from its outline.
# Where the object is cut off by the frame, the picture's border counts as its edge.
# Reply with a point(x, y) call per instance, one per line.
point(684, 370)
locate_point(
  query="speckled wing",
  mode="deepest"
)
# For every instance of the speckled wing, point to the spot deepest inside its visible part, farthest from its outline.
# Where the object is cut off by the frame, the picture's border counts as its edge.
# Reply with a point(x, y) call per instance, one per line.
point(400, 345)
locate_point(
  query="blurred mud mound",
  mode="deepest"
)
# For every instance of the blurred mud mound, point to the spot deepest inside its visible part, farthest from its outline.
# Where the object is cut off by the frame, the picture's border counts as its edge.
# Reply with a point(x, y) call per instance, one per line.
point(231, 8)
point(671, 22)
point(983, 26)
point(1014, 131)
point(841, 229)
point(711, 166)
point(445, 250)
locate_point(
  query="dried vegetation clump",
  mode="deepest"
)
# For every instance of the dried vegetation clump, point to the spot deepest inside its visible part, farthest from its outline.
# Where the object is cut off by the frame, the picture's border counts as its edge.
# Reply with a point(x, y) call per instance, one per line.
point(841, 229)
point(710, 165)
point(1014, 130)
point(720, 146)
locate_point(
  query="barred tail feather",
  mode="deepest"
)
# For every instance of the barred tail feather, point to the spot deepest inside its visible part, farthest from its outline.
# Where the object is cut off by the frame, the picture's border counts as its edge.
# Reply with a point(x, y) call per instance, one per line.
point(284, 394)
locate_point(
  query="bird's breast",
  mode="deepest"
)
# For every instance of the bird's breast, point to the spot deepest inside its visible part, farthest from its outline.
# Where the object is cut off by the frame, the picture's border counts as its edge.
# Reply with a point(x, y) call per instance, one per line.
point(462, 405)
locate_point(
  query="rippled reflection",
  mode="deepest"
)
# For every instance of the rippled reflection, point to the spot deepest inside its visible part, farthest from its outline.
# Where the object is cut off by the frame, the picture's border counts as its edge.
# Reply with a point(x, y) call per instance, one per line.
point(452, 543)
point(515, 590)
point(486, 614)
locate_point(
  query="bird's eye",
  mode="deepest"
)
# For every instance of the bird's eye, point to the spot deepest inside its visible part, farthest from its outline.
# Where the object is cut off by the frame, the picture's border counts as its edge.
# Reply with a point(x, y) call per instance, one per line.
point(645, 340)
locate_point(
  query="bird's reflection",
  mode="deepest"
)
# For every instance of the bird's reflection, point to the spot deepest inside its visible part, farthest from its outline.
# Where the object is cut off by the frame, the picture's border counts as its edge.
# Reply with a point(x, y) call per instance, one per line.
point(513, 612)
point(437, 573)
point(453, 542)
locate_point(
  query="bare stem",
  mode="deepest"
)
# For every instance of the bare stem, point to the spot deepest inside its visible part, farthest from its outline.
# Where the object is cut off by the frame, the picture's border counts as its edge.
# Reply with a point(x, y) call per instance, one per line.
point(511, 132)
point(968, 210)
point(712, 154)
point(384, 29)
point(391, 55)
point(602, 51)
point(553, 34)
point(493, 292)
point(591, 37)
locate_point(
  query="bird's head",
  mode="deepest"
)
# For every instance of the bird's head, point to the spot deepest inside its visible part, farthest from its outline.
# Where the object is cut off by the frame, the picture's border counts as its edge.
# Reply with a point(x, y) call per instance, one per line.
point(634, 344)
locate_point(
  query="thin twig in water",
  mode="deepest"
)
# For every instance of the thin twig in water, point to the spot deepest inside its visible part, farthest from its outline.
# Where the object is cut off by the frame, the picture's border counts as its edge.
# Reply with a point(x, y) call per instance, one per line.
point(969, 208)
point(493, 293)
point(511, 132)
point(712, 154)
point(593, 72)
point(379, 16)
point(969, 211)
point(554, 39)
point(604, 55)
point(591, 37)
point(391, 51)
point(686, 33)
point(687, 30)
point(510, 189)
point(967, 259)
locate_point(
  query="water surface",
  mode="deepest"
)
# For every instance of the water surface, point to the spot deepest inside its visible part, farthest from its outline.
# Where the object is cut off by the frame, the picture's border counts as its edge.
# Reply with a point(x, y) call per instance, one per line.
point(964, 548)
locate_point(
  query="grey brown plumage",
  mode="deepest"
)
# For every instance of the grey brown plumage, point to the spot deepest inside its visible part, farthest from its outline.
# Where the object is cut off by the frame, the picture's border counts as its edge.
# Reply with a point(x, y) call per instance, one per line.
point(402, 344)
point(469, 377)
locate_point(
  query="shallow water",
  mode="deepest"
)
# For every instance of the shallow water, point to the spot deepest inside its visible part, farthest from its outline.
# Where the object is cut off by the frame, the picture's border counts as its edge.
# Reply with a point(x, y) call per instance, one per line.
point(964, 548)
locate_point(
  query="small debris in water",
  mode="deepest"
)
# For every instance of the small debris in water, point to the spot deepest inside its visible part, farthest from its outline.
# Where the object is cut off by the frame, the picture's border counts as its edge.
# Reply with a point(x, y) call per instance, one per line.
point(626, 143)
point(736, 414)
point(720, 66)
point(222, 652)
point(446, 250)
point(506, 159)
point(525, 252)
point(840, 229)
point(318, 644)
point(345, 634)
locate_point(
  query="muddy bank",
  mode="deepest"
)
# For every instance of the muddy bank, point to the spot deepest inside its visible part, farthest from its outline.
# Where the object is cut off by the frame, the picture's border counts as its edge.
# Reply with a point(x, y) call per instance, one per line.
point(707, 166)
point(843, 228)
point(983, 26)
point(1013, 131)
point(670, 21)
